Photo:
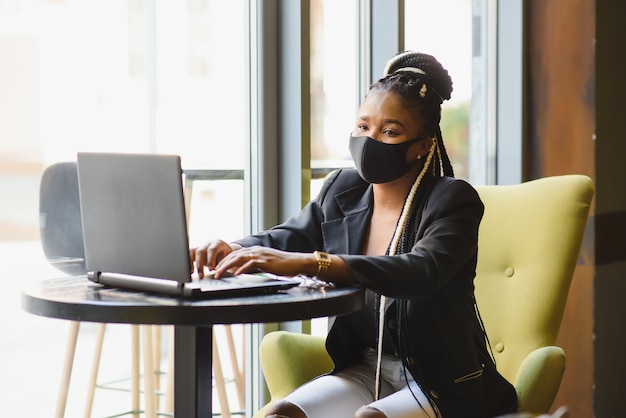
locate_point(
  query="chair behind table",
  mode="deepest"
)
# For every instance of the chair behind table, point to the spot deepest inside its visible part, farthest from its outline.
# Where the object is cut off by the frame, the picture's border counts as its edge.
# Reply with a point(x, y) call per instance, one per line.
point(60, 223)
point(61, 233)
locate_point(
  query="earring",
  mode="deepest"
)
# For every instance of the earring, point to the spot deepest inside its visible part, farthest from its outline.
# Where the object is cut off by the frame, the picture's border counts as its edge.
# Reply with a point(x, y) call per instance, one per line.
point(419, 157)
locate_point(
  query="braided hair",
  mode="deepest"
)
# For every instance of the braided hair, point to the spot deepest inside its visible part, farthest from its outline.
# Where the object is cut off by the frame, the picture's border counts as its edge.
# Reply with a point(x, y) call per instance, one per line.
point(422, 84)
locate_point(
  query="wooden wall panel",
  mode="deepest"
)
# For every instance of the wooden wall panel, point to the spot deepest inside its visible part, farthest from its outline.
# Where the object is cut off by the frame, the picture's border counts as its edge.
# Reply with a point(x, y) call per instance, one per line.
point(560, 87)
point(560, 115)
point(610, 211)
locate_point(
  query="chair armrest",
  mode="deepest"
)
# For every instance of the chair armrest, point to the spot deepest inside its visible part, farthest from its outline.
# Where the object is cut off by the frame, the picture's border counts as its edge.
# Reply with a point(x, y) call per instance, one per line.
point(538, 379)
point(288, 360)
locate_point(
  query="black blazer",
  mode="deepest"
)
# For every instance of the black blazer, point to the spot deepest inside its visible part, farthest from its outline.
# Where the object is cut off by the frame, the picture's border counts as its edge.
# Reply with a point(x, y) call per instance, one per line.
point(447, 352)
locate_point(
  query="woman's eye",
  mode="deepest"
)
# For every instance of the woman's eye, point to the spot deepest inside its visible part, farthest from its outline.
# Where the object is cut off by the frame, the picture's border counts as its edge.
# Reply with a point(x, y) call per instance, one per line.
point(389, 132)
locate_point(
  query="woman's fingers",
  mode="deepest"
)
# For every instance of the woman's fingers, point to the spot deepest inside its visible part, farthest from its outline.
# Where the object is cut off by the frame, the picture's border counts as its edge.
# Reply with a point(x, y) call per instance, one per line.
point(236, 261)
point(260, 258)
point(208, 255)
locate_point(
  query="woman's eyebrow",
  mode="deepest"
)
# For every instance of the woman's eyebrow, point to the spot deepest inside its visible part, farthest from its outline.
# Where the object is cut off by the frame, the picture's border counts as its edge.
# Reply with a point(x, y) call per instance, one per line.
point(387, 121)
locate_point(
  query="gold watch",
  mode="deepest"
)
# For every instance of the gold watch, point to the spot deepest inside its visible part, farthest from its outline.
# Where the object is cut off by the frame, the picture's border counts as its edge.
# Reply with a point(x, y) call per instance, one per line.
point(323, 263)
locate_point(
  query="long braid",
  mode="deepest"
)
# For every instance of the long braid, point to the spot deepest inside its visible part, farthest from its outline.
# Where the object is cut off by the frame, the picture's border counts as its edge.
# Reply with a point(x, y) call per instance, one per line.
point(407, 241)
point(447, 165)
point(394, 249)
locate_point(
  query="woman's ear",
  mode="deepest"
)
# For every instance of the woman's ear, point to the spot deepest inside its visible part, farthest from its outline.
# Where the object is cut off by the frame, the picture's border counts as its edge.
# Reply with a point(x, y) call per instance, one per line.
point(420, 149)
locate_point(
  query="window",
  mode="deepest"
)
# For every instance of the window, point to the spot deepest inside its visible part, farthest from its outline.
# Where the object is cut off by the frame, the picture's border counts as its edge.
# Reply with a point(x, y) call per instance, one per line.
point(117, 76)
point(333, 81)
point(424, 24)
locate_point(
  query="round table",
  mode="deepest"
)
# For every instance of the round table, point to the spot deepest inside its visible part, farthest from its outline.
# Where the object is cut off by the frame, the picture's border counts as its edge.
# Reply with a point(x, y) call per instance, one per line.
point(78, 299)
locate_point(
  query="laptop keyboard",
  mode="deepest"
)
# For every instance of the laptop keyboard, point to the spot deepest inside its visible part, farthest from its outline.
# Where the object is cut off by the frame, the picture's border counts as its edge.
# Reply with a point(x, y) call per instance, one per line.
point(214, 284)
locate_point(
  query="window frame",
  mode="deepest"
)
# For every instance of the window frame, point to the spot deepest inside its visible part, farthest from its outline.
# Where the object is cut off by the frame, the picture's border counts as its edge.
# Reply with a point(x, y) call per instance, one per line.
point(278, 172)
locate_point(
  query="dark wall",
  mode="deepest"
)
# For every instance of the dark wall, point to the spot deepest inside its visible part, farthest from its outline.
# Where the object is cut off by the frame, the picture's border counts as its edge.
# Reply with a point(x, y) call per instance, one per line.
point(575, 109)
point(610, 222)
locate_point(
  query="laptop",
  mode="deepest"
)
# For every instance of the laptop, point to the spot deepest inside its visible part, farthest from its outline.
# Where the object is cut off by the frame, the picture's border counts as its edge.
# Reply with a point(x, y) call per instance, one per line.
point(135, 229)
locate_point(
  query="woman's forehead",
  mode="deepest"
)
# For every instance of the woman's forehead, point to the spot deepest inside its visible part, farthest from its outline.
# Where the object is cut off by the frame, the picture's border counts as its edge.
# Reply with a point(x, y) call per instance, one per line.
point(385, 106)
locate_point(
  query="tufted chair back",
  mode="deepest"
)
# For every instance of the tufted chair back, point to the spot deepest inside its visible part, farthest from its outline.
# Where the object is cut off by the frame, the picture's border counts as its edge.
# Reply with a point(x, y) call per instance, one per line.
point(528, 246)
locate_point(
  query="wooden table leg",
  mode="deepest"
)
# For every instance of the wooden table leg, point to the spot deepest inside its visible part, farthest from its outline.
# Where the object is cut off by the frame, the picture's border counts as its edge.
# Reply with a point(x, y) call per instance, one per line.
point(67, 369)
point(148, 372)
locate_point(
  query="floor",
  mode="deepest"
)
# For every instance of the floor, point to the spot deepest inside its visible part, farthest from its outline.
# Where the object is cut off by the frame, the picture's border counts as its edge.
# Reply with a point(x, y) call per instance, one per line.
point(32, 348)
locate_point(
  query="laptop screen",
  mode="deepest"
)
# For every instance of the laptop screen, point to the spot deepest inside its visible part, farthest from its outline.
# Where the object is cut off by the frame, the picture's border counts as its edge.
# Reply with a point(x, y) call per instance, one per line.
point(133, 215)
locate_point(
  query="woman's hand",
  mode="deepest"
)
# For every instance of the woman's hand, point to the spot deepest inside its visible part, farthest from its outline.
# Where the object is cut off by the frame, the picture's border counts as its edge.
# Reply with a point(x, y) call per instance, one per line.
point(209, 255)
point(265, 259)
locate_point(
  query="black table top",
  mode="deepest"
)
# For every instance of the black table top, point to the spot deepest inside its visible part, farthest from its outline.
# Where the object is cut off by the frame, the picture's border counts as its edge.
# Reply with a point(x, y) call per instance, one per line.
point(78, 299)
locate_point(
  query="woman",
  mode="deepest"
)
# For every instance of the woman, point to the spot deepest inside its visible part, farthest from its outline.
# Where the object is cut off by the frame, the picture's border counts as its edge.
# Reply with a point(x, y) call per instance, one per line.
point(401, 226)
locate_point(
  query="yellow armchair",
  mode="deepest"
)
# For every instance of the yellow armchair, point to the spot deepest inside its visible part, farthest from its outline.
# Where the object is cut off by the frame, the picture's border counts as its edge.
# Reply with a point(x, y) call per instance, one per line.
point(528, 245)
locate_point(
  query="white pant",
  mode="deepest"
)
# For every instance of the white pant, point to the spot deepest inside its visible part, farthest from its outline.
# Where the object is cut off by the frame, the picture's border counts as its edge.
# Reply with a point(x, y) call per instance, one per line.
point(342, 394)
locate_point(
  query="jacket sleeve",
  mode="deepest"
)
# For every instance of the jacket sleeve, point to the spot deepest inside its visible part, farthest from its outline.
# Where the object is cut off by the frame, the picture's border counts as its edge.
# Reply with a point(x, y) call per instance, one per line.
point(446, 248)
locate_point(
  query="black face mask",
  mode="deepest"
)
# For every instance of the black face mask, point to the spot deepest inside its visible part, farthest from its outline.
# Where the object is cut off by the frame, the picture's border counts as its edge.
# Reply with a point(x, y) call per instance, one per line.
point(378, 162)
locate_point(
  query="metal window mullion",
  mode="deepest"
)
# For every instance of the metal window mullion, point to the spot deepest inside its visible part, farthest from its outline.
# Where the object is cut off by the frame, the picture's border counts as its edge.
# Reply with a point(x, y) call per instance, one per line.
point(364, 48)
point(380, 26)
point(262, 159)
point(482, 142)
point(491, 84)
point(261, 172)
point(295, 107)
point(496, 122)
point(151, 73)
point(277, 174)
point(386, 34)
point(294, 130)
point(509, 92)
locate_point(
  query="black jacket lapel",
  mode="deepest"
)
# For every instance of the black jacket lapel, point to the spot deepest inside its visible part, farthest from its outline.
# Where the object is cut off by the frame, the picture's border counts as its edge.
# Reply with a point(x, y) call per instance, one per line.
point(346, 233)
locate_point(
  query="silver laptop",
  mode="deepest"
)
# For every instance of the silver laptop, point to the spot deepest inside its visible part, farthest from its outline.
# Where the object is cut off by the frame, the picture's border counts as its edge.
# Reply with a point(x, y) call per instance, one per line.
point(135, 229)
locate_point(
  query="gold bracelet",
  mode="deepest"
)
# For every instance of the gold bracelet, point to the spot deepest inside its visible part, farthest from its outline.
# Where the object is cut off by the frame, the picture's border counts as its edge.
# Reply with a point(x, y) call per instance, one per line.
point(323, 263)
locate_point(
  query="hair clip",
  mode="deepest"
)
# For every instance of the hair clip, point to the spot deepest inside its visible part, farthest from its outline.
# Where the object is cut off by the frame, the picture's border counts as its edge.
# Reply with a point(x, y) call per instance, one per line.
point(423, 90)
point(412, 69)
